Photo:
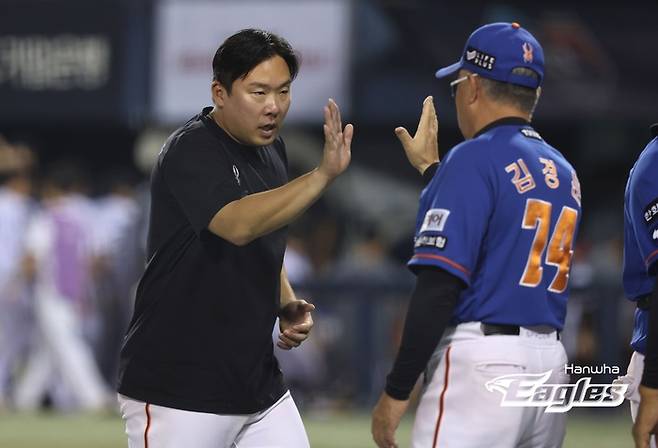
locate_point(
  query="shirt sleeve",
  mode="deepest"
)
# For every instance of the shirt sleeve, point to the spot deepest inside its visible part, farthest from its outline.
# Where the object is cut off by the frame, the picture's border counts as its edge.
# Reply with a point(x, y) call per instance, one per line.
point(432, 304)
point(200, 178)
point(454, 213)
point(429, 172)
point(644, 215)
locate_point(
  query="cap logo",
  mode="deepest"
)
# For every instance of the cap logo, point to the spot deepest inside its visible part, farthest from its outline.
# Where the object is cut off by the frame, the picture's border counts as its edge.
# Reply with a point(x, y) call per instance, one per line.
point(480, 58)
point(527, 52)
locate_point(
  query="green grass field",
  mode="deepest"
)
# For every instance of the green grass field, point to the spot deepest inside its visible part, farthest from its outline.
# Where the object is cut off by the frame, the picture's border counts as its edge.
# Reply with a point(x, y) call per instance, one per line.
point(325, 431)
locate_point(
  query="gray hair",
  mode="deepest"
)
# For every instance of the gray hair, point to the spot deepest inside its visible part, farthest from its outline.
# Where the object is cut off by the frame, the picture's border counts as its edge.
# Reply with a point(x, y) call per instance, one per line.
point(525, 98)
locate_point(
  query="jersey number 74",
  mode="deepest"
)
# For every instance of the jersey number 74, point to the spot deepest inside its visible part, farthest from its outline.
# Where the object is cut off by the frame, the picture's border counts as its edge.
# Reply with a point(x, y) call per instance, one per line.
point(538, 216)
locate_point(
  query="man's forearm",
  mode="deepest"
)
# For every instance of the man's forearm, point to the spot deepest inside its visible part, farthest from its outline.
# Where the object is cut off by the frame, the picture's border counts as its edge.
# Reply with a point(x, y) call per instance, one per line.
point(650, 374)
point(430, 310)
point(253, 216)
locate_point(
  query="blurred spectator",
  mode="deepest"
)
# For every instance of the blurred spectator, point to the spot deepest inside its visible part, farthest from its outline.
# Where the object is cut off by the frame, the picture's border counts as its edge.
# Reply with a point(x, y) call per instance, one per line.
point(303, 367)
point(59, 241)
point(369, 259)
point(298, 264)
point(16, 207)
point(118, 263)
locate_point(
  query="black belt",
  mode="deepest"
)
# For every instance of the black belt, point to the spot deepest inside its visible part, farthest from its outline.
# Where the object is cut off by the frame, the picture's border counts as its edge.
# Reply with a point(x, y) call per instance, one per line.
point(504, 329)
point(496, 329)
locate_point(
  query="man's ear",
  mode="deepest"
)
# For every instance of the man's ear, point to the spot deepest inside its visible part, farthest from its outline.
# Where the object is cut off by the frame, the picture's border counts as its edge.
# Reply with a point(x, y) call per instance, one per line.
point(475, 89)
point(219, 93)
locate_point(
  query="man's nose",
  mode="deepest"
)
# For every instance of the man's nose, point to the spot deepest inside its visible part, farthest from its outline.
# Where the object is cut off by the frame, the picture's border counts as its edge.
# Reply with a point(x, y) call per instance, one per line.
point(273, 106)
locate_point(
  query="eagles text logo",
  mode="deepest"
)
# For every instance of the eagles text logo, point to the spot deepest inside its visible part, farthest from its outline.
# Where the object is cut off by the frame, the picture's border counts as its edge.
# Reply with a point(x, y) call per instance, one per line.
point(531, 390)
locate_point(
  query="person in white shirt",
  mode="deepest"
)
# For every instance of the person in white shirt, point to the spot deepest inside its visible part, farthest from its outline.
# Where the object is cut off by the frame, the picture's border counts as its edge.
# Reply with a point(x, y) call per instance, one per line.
point(16, 206)
point(59, 240)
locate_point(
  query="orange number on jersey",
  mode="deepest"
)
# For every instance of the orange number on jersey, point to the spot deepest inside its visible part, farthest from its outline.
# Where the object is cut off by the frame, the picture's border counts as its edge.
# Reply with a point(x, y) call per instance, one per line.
point(538, 216)
point(560, 249)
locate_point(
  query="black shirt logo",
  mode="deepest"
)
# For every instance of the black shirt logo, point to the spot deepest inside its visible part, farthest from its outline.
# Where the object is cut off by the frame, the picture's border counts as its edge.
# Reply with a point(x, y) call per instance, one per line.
point(236, 173)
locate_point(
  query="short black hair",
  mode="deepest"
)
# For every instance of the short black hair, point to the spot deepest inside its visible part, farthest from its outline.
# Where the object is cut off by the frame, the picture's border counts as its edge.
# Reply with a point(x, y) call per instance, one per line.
point(525, 98)
point(244, 50)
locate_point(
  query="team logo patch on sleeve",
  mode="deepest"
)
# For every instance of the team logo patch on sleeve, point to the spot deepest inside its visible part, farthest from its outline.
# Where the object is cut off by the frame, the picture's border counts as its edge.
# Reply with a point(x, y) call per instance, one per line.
point(435, 220)
point(438, 242)
point(650, 212)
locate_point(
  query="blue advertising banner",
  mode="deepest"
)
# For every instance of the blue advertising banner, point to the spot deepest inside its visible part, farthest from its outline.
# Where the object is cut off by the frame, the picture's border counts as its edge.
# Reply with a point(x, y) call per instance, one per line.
point(73, 60)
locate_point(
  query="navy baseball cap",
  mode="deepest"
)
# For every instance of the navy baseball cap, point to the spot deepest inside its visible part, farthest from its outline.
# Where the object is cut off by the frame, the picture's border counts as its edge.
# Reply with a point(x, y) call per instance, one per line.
point(494, 50)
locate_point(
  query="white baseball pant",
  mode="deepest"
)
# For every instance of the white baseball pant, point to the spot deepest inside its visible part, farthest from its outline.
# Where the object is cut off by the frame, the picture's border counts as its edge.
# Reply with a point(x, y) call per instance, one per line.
point(151, 426)
point(456, 410)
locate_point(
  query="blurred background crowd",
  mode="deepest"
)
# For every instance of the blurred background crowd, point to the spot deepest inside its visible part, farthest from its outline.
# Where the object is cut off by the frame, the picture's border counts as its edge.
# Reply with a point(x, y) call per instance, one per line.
point(89, 91)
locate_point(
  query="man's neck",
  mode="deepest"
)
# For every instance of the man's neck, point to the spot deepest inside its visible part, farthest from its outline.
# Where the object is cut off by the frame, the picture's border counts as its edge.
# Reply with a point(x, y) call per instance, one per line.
point(486, 119)
point(216, 115)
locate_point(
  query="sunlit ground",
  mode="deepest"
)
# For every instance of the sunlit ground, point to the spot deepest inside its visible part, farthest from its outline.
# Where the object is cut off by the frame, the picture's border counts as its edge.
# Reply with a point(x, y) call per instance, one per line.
point(345, 430)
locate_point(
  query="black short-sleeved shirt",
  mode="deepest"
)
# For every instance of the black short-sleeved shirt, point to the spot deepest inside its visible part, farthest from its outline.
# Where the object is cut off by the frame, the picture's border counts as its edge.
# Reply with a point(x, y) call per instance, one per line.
point(201, 335)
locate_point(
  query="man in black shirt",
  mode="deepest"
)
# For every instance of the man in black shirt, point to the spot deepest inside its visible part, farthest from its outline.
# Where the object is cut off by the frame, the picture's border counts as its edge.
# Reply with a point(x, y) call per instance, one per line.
point(197, 365)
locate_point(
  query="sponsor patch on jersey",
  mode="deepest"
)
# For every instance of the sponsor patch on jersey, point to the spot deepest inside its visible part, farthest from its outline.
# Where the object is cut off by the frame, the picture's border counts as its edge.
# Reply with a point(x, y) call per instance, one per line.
point(435, 242)
point(435, 220)
point(531, 133)
point(480, 58)
point(651, 211)
point(655, 235)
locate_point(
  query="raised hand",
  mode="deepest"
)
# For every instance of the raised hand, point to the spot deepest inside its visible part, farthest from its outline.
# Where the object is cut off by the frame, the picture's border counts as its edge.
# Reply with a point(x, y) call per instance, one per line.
point(423, 149)
point(337, 142)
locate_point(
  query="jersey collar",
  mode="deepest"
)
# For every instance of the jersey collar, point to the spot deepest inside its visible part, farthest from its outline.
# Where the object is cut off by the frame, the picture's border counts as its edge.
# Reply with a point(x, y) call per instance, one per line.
point(502, 122)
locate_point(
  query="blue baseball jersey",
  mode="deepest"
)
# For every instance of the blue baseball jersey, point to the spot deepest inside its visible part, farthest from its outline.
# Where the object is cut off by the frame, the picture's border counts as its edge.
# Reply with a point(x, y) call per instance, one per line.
point(502, 213)
point(641, 236)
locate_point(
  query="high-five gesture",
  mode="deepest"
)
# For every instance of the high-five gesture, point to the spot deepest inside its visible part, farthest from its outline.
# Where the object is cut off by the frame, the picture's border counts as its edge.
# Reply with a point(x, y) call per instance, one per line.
point(423, 149)
point(337, 142)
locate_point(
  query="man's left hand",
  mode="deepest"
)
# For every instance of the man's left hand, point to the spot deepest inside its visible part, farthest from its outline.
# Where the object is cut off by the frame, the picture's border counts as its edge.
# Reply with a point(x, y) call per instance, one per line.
point(647, 417)
point(295, 323)
point(423, 149)
point(385, 420)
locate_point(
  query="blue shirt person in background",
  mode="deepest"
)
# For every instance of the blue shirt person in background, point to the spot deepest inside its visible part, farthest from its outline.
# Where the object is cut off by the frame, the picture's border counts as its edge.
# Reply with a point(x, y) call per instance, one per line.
point(640, 266)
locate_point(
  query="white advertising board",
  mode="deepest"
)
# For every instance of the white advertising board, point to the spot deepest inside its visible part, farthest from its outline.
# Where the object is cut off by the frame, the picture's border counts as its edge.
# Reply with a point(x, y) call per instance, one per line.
point(187, 34)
